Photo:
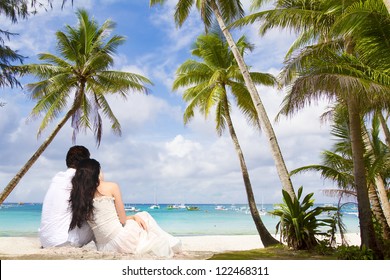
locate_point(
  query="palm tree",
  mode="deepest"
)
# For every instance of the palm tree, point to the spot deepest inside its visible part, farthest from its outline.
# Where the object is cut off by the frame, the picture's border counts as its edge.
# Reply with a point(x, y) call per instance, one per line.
point(13, 11)
point(378, 154)
point(339, 80)
point(371, 33)
point(226, 11)
point(7, 58)
point(337, 164)
point(342, 78)
point(208, 82)
point(82, 72)
point(367, 22)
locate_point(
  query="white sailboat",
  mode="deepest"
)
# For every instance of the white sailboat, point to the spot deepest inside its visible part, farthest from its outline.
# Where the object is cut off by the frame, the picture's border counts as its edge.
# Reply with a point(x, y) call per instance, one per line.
point(181, 206)
point(155, 205)
point(262, 211)
point(220, 208)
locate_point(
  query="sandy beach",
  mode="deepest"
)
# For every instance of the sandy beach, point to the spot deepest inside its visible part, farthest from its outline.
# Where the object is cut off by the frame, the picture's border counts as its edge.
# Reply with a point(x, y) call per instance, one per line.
point(194, 248)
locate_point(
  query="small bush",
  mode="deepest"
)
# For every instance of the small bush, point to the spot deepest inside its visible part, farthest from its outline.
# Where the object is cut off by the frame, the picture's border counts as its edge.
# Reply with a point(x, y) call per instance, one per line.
point(354, 253)
point(324, 248)
point(386, 249)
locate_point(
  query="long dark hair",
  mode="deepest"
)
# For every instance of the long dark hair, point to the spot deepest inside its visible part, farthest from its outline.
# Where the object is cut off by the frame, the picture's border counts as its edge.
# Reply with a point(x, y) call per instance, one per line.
point(85, 183)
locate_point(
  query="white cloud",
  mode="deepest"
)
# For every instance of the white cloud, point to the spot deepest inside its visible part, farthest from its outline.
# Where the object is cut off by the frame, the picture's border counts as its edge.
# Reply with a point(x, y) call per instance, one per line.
point(177, 36)
point(140, 109)
point(181, 147)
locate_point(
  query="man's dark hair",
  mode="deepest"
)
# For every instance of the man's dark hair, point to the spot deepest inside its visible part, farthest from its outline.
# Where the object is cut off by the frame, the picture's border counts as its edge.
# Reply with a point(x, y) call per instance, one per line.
point(75, 155)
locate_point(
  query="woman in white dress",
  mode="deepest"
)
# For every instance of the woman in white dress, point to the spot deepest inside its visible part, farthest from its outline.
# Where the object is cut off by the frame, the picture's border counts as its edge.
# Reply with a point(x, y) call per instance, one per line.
point(100, 204)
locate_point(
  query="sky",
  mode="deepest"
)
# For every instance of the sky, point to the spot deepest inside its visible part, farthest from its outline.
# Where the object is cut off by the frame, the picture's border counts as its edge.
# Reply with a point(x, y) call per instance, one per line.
point(158, 158)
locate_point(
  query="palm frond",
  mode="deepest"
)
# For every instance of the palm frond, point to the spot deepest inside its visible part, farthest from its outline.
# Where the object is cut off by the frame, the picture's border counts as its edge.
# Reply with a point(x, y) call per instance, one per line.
point(182, 11)
point(107, 111)
point(339, 193)
point(230, 10)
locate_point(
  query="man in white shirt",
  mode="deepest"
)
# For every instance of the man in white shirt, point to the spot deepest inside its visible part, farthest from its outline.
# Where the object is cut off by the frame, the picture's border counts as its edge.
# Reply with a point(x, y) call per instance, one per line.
point(56, 213)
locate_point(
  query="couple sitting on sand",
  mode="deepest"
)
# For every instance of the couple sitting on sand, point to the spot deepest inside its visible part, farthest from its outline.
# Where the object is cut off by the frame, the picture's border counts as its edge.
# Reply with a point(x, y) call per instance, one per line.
point(80, 206)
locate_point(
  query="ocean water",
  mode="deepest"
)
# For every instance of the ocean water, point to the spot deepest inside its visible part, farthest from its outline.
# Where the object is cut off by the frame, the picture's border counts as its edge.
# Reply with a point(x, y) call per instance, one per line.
point(24, 220)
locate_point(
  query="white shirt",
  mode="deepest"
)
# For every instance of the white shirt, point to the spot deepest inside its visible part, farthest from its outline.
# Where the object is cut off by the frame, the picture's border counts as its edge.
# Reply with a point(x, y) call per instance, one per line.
point(57, 215)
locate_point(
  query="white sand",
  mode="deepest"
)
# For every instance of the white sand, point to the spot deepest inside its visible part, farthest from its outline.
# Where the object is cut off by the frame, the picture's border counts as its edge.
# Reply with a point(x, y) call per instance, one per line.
point(194, 247)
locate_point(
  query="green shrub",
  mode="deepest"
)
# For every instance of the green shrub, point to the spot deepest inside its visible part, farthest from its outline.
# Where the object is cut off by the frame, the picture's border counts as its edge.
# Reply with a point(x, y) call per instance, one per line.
point(354, 253)
point(324, 247)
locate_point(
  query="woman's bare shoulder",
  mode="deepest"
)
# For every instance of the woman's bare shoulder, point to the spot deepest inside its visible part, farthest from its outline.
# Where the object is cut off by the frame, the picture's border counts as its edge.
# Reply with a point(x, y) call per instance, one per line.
point(106, 187)
point(108, 184)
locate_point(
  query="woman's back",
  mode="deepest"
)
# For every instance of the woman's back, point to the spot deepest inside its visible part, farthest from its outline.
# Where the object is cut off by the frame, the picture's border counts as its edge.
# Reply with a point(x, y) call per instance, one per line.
point(105, 223)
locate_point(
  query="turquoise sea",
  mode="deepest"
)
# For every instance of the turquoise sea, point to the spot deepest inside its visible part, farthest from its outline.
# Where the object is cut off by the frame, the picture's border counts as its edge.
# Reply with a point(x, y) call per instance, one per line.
point(24, 219)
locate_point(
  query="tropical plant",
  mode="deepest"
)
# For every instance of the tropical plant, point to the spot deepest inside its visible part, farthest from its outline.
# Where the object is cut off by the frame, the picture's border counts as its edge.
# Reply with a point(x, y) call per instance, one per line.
point(225, 12)
point(299, 224)
point(207, 83)
point(81, 73)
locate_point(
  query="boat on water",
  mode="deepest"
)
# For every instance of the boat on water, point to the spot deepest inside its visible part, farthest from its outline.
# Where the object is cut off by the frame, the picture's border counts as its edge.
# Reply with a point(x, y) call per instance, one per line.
point(181, 206)
point(129, 208)
point(220, 208)
point(192, 208)
point(155, 205)
point(176, 206)
point(262, 212)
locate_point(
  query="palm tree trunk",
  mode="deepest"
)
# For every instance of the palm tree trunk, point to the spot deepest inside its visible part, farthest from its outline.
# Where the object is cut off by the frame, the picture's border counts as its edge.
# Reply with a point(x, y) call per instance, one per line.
point(385, 128)
point(379, 182)
point(263, 117)
point(12, 184)
point(384, 200)
point(266, 238)
point(378, 212)
point(367, 233)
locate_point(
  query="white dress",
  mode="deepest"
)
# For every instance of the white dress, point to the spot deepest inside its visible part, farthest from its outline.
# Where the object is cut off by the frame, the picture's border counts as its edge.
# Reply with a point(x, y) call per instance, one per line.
point(111, 236)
